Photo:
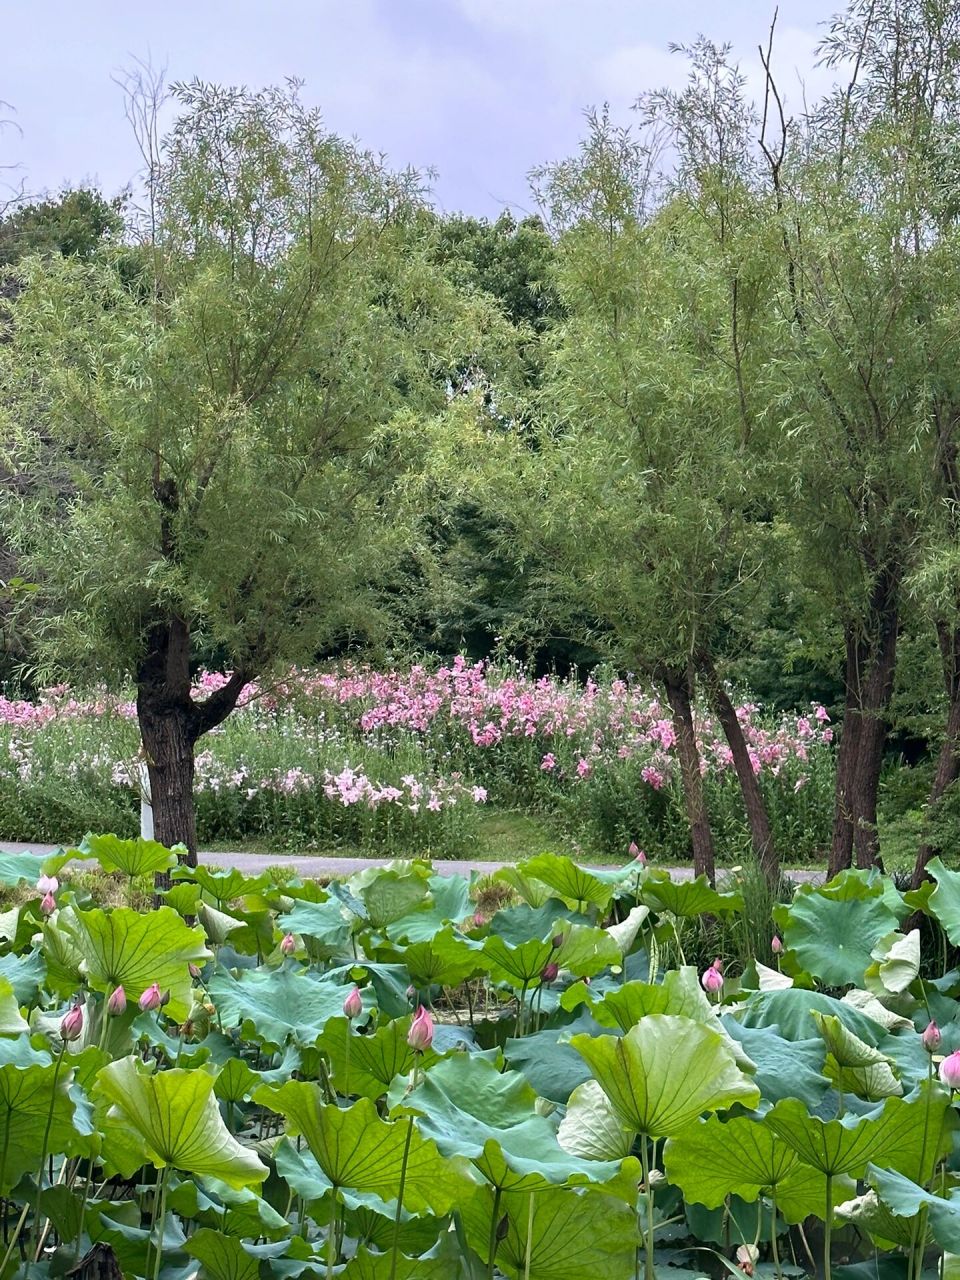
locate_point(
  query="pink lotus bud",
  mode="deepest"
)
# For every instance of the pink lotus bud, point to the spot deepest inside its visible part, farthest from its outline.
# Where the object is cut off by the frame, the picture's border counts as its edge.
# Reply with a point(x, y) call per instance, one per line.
point(151, 999)
point(71, 1026)
point(717, 964)
point(931, 1037)
point(640, 858)
point(48, 884)
point(633, 849)
point(353, 1005)
point(557, 941)
point(48, 904)
point(747, 1258)
point(549, 973)
point(950, 1070)
point(478, 920)
point(288, 945)
point(117, 1003)
point(411, 993)
point(712, 980)
point(420, 1035)
point(195, 971)
point(776, 946)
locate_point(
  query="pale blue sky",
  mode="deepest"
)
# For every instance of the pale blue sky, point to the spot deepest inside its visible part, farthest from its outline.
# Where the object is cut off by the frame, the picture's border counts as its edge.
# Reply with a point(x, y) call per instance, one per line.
point(482, 90)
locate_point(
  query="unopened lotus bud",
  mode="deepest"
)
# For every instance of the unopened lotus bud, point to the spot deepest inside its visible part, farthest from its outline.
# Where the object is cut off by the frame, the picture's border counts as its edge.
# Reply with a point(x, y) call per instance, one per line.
point(48, 884)
point(353, 1005)
point(931, 1037)
point(71, 1025)
point(633, 849)
point(549, 973)
point(747, 1258)
point(503, 1226)
point(557, 941)
point(117, 1002)
point(712, 980)
point(288, 944)
point(776, 946)
point(717, 964)
point(209, 1008)
point(48, 904)
point(195, 972)
point(164, 999)
point(420, 1035)
point(151, 999)
point(950, 1070)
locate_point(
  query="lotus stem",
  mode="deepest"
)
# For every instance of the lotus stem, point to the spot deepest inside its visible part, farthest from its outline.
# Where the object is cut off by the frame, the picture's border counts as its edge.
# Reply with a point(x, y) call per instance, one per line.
point(529, 1248)
point(648, 1192)
point(774, 1248)
point(159, 1220)
point(396, 1222)
point(498, 1191)
point(35, 1250)
point(828, 1230)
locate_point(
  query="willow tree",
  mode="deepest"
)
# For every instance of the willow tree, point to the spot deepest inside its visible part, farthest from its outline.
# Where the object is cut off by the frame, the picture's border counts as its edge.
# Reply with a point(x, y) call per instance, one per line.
point(217, 436)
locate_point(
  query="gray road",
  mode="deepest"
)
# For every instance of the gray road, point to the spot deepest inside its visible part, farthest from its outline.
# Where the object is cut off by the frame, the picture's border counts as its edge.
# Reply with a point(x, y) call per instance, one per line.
point(309, 865)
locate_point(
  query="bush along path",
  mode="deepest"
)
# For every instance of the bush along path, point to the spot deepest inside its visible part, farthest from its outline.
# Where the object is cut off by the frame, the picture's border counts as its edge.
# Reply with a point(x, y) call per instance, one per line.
point(384, 1078)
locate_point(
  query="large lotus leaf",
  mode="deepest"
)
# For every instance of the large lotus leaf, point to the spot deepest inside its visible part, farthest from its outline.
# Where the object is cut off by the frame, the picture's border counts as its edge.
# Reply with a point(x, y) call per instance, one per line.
point(784, 1068)
point(591, 1128)
point(534, 892)
point(665, 1072)
point(223, 886)
point(896, 963)
point(868, 1004)
point(904, 1198)
point(870, 1215)
point(739, 1157)
point(19, 868)
point(136, 857)
point(470, 1108)
point(586, 951)
point(908, 1136)
point(686, 897)
point(222, 1257)
point(355, 1148)
point(444, 959)
point(518, 965)
point(372, 1061)
point(276, 1005)
point(519, 924)
point(388, 983)
point(624, 932)
point(62, 953)
point(217, 925)
point(124, 948)
point(791, 1011)
point(549, 1063)
point(448, 902)
point(442, 1262)
point(12, 1022)
point(389, 893)
point(855, 1066)
point(833, 938)
point(566, 1234)
point(324, 922)
point(576, 885)
point(175, 1117)
point(25, 975)
point(32, 1097)
point(236, 1081)
point(944, 901)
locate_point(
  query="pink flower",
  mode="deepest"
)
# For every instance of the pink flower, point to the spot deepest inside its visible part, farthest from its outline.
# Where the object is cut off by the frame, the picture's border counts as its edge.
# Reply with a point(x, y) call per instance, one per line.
point(584, 768)
point(712, 980)
point(931, 1037)
point(549, 973)
point(71, 1026)
point(117, 1003)
point(152, 999)
point(776, 946)
point(353, 1005)
point(48, 884)
point(633, 849)
point(950, 1070)
point(549, 762)
point(288, 944)
point(48, 904)
point(420, 1035)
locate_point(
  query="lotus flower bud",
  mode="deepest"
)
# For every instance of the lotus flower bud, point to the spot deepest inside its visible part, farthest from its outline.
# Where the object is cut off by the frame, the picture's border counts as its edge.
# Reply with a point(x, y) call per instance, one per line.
point(353, 1005)
point(164, 999)
point(288, 944)
point(634, 849)
point(420, 1035)
point(931, 1037)
point(717, 964)
point(503, 1226)
point(776, 946)
point(71, 1026)
point(557, 941)
point(549, 973)
point(48, 884)
point(48, 904)
point(712, 980)
point(117, 1003)
point(950, 1070)
point(195, 971)
point(747, 1258)
point(151, 999)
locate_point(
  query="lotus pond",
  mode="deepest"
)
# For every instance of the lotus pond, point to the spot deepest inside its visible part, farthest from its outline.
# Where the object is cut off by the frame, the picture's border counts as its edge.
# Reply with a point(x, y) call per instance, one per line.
point(266, 1077)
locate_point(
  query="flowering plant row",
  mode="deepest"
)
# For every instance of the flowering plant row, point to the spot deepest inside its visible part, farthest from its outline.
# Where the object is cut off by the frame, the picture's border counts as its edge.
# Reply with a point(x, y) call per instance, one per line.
point(380, 1078)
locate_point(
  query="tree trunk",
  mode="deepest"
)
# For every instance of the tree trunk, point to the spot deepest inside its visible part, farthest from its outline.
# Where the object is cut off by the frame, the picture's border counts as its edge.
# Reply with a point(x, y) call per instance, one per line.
point(758, 820)
point(948, 763)
point(679, 688)
point(870, 666)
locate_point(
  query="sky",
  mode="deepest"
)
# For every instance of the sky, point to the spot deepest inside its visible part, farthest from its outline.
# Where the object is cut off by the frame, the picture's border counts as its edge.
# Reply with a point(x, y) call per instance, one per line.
point(480, 91)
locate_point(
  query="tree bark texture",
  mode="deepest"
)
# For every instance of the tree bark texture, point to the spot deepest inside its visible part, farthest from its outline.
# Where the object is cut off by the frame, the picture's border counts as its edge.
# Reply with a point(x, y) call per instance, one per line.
point(679, 689)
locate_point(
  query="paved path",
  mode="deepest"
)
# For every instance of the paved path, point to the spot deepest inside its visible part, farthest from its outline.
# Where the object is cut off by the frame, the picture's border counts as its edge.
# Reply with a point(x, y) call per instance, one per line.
point(310, 865)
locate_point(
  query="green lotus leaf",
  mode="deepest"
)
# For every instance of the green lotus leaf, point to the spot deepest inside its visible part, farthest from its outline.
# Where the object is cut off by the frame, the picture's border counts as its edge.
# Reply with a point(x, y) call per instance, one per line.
point(518, 965)
point(587, 951)
point(548, 1062)
point(448, 902)
point(567, 1234)
point(534, 892)
point(868, 1004)
point(217, 925)
point(887, 1231)
point(12, 1022)
point(323, 922)
point(374, 1060)
point(390, 893)
point(591, 1129)
point(853, 1065)
point(784, 1068)
point(665, 1072)
point(273, 1006)
point(896, 963)
point(905, 1199)
point(20, 868)
point(438, 1264)
point(133, 950)
point(832, 937)
point(136, 857)
point(908, 1136)
point(355, 1148)
point(26, 975)
point(686, 898)
point(519, 924)
point(470, 1108)
point(624, 932)
point(790, 1011)
point(714, 1159)
point(32, 1097)
point(62, 953)
point(184, 897)
point(222, 1257)
point(944, 901)
point(445, 960)
point(174, 1115)
point(576, 885)
point(223, 886)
